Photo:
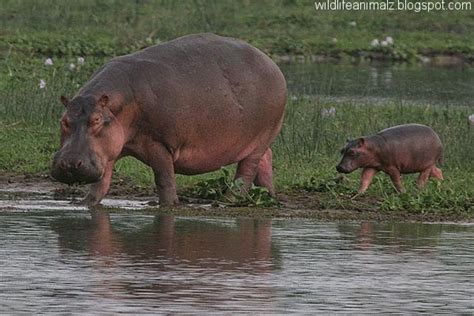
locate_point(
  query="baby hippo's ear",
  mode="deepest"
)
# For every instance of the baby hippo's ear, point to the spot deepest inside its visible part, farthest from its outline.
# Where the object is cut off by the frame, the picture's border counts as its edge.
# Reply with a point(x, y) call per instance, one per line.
point(64, 101)
point(360, 142)
point(103, 101)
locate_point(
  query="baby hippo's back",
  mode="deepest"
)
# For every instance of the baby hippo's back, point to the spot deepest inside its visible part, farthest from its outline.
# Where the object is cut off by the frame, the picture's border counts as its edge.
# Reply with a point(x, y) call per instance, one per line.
point(412, 147)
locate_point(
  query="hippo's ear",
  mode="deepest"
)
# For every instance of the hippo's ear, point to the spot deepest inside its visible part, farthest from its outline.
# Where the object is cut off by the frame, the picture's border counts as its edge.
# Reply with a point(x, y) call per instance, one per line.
point(360, 142)
point(103, 101)
point(64, 101)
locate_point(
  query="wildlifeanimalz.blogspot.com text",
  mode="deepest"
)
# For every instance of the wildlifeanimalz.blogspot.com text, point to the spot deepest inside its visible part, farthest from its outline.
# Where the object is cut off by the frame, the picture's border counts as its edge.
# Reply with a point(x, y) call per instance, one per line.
point(390, 5)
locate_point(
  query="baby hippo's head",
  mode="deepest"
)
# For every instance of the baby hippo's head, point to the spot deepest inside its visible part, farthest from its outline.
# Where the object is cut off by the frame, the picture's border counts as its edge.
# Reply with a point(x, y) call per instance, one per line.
point(355, 155)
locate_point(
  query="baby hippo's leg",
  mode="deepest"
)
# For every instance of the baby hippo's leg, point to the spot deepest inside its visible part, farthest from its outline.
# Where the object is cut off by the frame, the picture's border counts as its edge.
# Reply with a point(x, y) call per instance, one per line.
point(366, 179)
point(423, 178)
point(436, 173)
point(396, 179)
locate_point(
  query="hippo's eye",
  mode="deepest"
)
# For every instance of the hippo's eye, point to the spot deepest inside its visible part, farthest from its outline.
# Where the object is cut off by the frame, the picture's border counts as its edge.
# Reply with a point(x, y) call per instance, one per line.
point(351, 153)
point(96, 120)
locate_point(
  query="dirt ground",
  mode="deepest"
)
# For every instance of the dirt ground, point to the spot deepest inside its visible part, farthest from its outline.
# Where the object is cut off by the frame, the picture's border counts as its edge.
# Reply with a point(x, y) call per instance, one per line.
point(294, 204)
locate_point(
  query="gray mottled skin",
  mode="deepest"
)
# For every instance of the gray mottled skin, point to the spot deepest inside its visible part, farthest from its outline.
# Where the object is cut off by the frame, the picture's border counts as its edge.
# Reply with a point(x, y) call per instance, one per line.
point(189, 106)
point(397, 150)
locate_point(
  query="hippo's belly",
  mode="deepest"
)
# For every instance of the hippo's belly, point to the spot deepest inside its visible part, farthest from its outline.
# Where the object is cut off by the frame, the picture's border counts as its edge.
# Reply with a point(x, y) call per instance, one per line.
point(202, 159)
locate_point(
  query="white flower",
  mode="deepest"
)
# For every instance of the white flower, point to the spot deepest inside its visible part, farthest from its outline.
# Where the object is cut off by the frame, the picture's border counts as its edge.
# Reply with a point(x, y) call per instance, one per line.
point(375, 43)
point(48, 62)
point(383, 43)
point(72, 66)
point(42, 84)
point(328, 112)
point(389, 40)
point(80, 60)
point(334, 40)
point(294, 98)
point(353, 23)
point(471, 118)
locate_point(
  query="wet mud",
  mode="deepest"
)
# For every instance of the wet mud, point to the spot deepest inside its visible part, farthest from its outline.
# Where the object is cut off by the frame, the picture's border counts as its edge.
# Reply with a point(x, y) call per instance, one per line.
point(22, 193)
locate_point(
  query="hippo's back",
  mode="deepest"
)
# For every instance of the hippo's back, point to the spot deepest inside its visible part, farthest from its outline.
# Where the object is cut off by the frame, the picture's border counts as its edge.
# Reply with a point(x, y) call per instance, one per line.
point(410, 133)
point(411, 145)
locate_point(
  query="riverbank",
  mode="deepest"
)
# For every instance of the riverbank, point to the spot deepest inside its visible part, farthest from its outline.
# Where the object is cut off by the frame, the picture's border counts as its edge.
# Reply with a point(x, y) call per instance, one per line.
point(286, 30)
point(305, 156)
point(39, 191)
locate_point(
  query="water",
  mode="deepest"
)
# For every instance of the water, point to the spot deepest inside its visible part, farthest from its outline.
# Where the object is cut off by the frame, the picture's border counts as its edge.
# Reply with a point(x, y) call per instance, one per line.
point(79, 262)
point(370, 83)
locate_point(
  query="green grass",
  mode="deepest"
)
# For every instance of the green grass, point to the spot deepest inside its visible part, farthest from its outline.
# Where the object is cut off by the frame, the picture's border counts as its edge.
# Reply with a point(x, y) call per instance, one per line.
point(108, 27)
point(305, 154)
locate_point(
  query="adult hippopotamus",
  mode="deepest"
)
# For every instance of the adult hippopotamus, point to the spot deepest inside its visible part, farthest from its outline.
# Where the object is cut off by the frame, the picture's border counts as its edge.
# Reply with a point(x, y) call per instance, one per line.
point(187, 106)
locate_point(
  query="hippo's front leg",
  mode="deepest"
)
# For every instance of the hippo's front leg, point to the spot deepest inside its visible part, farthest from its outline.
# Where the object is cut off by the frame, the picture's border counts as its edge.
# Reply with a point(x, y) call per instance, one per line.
point(161, 161)
point(366, 178)
point(98, 190)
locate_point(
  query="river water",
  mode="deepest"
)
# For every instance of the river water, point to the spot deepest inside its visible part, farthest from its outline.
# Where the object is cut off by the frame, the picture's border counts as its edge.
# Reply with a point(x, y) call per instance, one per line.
point(368, 83)
point(54, 261)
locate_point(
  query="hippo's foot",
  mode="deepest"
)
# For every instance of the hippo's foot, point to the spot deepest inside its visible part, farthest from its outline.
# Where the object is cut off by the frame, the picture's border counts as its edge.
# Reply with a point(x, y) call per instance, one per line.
point(169, 201)
point(156, 204)
point(90, 201)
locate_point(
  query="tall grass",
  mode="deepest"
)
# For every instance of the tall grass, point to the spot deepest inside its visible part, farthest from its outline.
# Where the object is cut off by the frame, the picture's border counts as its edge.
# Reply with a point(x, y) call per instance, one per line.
point(108, 27)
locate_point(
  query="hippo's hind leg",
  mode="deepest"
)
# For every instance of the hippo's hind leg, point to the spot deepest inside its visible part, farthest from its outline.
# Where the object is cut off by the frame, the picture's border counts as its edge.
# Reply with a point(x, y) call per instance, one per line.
point(423, 178)
point(433, 172)
point(247, 170)
point(255, 167)
point(264, 177)
point(396, 179)
point(436, 173)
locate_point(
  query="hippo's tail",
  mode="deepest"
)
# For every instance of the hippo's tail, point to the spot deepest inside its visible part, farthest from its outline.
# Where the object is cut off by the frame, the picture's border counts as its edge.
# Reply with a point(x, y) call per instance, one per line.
point(441, 160)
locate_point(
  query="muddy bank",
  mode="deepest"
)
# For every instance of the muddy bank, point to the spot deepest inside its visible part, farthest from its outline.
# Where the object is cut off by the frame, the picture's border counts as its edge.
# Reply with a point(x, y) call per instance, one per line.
point(27, 193)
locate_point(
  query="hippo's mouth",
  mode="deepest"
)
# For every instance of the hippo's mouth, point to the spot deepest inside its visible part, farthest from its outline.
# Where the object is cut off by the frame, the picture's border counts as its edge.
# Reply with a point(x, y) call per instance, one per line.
point(77, 177)
point(342, 169)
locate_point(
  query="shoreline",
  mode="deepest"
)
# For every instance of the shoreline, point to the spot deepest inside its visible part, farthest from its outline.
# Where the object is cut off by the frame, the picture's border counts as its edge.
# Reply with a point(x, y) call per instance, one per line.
point(295, 204)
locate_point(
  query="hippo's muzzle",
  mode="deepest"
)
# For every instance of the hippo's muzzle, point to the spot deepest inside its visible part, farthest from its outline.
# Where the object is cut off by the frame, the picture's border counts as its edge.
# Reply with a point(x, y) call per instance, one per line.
point(340, 168)
point(71, 169)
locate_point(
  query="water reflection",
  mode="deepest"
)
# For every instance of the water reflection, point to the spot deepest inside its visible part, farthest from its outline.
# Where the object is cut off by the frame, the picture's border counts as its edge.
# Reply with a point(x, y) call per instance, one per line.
point(394, 237)
point(78, 262)
point(192, 241)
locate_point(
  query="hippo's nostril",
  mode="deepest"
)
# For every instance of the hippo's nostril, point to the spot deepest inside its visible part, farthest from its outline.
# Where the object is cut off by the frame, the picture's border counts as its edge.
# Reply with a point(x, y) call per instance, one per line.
point(62, 164)
point(78, 164)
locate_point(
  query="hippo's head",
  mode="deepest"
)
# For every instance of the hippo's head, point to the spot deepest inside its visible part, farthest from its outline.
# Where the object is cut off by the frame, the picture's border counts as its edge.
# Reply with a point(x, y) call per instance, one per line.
point(354, 155)
point(91, 137)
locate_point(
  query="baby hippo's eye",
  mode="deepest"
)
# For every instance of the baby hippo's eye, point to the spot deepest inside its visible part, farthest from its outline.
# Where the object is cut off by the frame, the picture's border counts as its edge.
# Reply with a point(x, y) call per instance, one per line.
point(96, 120)
point(351, 153)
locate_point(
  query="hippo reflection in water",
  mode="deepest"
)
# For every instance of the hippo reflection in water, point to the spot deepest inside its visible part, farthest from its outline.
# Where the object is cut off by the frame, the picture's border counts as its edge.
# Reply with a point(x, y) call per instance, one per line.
point(188, 106)
point(247, 241)
point(167, 255)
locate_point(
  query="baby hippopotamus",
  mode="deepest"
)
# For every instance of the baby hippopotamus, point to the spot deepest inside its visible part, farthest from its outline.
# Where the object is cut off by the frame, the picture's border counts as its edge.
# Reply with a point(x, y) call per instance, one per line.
point(407, 148)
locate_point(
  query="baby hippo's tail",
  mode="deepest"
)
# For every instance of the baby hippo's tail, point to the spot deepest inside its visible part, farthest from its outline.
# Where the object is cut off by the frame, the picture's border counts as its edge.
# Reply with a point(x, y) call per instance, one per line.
point(441, 160)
